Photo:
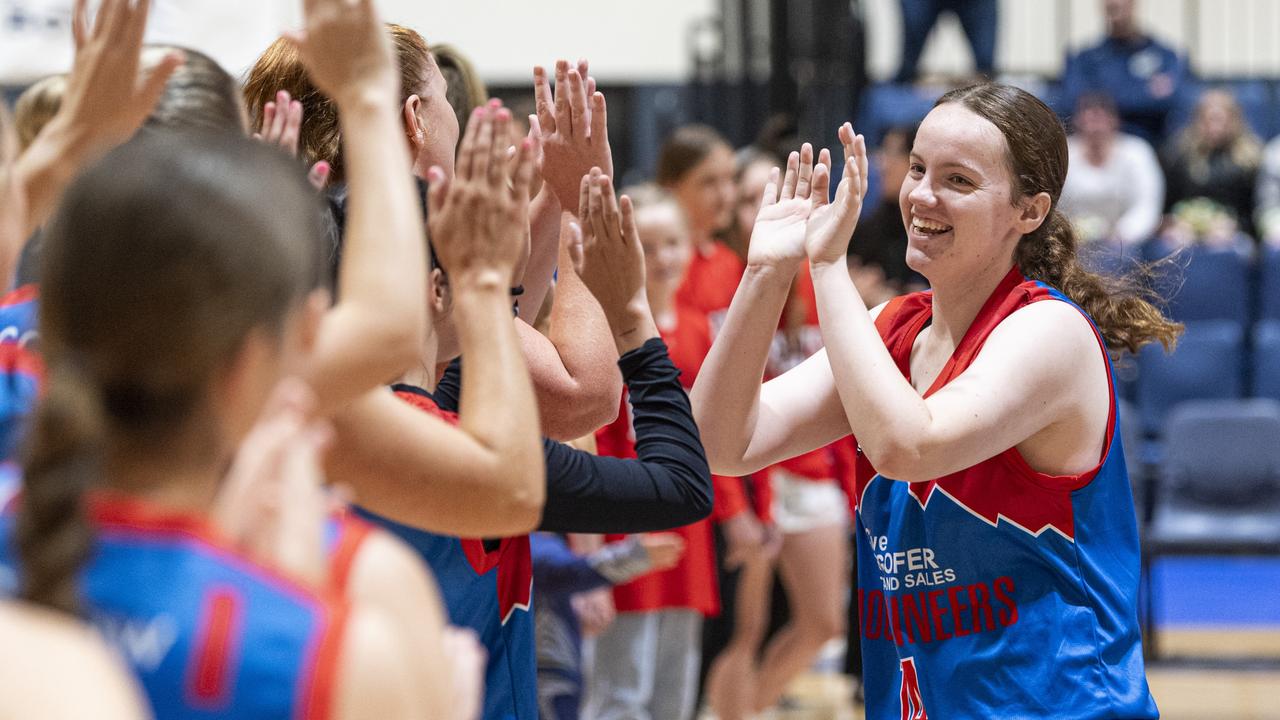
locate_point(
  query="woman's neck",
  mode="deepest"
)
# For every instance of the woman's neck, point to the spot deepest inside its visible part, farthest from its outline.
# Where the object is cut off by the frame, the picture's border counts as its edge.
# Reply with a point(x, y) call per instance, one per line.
point(1097, 150)
point(956, 305)
point(423, 374)
point(166, 480)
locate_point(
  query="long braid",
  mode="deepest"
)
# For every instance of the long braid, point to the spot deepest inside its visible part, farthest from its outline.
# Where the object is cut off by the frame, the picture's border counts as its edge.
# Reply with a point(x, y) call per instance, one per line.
point(62, 457)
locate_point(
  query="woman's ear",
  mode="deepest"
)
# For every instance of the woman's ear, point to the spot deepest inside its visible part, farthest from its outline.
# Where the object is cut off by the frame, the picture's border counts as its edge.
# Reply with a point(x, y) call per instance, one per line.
point(441, 299)
point(412, 125)
point(1035, 210)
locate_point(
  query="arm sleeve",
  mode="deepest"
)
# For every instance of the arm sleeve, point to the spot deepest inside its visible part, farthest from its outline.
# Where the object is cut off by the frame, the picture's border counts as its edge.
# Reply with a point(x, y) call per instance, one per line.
point(448, 392)
point(668, 484)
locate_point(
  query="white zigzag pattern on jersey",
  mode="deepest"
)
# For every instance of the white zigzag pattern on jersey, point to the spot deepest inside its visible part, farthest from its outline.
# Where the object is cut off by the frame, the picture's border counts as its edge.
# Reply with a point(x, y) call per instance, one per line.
point(520, 606)
point(999, 516)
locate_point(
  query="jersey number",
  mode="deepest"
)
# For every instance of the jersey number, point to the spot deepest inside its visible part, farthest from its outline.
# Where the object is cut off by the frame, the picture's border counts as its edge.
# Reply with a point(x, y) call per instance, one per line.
point(912, 702)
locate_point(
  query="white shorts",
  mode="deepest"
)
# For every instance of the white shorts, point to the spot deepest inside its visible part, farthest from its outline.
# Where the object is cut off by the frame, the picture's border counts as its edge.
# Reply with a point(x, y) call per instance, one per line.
point(801, 504)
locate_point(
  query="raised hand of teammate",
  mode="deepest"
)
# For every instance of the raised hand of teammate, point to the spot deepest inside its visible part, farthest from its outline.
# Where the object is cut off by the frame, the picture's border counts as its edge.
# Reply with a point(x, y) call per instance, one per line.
point(777, 238)
point(831, 225)
point(479, 219)
point(610, 260)
point(345, 48)
point(281, 126)
point(110, 92)
point(272, 504)
point(573, 122)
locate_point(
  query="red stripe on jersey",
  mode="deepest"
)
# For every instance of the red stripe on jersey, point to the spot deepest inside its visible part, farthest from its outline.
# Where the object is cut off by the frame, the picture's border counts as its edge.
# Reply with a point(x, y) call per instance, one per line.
point(319, 692)
point(17, 296)
point(216, 648)
point(352, 533)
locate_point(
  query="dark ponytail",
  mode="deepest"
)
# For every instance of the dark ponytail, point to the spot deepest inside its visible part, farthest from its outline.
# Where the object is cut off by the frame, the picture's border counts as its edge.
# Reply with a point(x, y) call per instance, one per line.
point(1124, 308)
point(62, 457)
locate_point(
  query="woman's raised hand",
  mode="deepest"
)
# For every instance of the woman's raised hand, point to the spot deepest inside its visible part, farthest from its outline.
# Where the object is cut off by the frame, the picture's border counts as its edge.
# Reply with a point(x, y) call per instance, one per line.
point(479, 220)
point(345, 49)
point(778, 237)
point(575, 130)
point(830, 227)
point(110, 91)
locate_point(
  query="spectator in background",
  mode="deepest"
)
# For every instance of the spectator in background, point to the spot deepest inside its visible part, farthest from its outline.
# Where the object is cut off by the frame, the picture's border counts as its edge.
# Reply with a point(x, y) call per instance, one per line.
point(878, 251)
point(1143, 76)
point(751, 176)
point(1115, 188)
point(696, 167)
point(36, 106)
point(1267, 215)
point(1216, 157)
point(463, 87)
point(977, 17)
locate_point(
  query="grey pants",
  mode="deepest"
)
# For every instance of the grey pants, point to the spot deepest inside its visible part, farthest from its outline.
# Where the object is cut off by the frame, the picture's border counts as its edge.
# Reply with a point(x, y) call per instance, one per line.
point(646, 667)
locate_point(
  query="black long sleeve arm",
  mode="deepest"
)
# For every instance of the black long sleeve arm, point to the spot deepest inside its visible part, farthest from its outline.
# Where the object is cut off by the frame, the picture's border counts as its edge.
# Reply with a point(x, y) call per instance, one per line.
point(669, 483)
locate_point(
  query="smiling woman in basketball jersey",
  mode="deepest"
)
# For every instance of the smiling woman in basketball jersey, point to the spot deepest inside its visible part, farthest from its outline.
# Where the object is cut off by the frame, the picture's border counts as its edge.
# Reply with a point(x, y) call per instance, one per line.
point(997, 541)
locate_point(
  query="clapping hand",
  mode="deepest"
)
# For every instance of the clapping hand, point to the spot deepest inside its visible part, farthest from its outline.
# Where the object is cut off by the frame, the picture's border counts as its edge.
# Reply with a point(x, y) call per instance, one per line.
point(479, 219)
point(573, 123)
point(830, 226)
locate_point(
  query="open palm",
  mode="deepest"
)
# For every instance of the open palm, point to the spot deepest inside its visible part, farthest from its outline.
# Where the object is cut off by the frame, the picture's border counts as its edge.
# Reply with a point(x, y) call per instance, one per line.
point(778, 236)
point(830, 226)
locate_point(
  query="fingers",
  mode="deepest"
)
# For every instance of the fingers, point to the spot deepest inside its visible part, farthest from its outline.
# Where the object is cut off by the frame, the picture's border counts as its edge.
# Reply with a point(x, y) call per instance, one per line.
point(584, 196)
point(564, 116)
point(846, 138)
point(500, 140)
point(771, 188)
point(609, 208)
point(80, 24)
point(576, 254)
point(599, 116)
point(860, 152)
point(437, 190)
point(152, 80)
point(791, 178)
point(467, 150)
point(630, 232)
point(522, 178)
point(806, 171)
point(595, 209)
point(135, 24)
point(543, 99)
point(318, 176)
point(578, 104)
point(292, 127)
point(821, 193)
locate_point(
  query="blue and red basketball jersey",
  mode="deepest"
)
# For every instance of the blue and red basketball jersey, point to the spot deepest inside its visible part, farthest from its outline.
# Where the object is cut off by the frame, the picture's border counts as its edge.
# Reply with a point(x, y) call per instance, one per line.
point(487, 585)
point(998, 591)
point(208, 633)
point(21, 368)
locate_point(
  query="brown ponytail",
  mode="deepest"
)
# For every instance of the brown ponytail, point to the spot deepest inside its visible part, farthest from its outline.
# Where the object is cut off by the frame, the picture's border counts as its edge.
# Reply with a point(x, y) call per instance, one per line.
point(63, 456)
point(1124, 308)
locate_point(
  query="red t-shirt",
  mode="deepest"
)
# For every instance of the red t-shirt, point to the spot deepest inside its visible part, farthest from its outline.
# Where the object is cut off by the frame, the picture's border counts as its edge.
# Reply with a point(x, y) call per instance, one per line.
point(710, 282)
point(691, 583)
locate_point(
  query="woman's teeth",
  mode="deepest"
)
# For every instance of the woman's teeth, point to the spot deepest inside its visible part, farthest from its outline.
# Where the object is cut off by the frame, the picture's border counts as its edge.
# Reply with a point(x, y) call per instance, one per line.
point(928, 226)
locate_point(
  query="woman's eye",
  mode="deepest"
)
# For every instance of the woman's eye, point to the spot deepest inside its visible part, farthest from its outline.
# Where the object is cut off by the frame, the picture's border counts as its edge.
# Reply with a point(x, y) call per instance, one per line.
point(917, 168)
point(961, 180)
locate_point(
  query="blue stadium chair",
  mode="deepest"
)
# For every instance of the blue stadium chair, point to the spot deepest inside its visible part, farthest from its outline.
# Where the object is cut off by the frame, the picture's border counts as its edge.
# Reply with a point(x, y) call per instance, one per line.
point(1269, 285)
point(1218, 489)
point(1207, 365)
point(1264, 362)
point(1132, 440)
point(1204, 283)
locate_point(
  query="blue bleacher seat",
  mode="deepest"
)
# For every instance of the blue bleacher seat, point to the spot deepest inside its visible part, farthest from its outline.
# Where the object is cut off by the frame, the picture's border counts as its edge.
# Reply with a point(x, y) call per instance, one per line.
point(1204, 284)
point(1269, 285)
point(1264, 365)
point(1208, 364)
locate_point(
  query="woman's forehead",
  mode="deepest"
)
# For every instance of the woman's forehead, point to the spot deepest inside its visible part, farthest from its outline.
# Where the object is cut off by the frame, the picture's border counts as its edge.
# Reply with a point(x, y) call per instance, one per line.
point(952, 133)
